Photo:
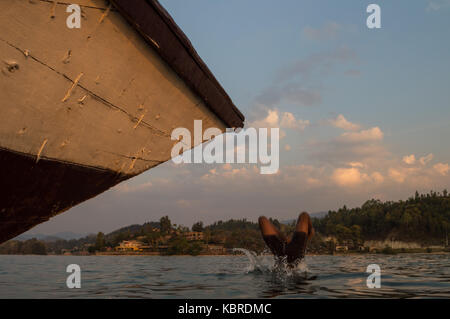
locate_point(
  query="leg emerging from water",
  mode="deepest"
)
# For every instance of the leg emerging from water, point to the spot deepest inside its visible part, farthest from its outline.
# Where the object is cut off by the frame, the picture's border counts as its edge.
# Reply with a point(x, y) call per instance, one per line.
point(304, 225)
point(304, 231)
point(274, 239)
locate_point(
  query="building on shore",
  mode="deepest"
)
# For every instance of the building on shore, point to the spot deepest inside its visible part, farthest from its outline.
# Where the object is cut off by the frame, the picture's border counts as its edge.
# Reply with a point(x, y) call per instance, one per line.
point(215, 249)
point(132, 245)
point(193, 235)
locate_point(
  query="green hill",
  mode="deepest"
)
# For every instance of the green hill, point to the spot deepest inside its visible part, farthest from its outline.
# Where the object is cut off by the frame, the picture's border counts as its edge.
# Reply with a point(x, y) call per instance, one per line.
point(423, 218)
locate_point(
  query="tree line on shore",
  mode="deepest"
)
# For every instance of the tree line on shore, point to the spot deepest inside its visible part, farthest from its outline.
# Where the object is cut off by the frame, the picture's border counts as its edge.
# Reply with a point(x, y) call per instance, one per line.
point(422, 218)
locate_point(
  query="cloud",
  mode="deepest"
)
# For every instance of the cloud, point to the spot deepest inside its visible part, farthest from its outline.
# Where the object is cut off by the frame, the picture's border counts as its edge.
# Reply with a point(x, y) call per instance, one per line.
point(397, 175)
point(295, 83)
point(284, 120)
point(358, 157)
point(288, 120)
point(426, 159)
point(341, 122)
point(298, 177)
point(441, 168)
point(354, 145)
point(377, 177)
point(328, 31)
point(342, 150)
point(409, 159)
point(373, 134)
point(369, 163)
point(436, 5)
point(354, 176)
point(317, 64)
point(271, 120)
point(348, 176)
point(356, 164)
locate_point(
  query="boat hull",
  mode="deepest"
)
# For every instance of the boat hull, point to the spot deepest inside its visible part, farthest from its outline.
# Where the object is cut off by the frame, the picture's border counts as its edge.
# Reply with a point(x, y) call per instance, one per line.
point(33, 192)
point(81, 109)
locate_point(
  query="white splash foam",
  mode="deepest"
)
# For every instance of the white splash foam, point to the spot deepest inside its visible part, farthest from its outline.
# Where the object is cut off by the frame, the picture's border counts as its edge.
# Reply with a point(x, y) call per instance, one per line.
point(266, 263)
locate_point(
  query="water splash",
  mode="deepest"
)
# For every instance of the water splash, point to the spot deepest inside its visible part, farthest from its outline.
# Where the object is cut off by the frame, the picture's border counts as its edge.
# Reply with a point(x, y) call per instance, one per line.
point(267, 264)
point(258, 263)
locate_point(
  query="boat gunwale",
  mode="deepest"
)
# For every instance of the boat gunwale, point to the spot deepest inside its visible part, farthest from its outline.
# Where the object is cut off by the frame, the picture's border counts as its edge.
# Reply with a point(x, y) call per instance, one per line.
point(165, 36)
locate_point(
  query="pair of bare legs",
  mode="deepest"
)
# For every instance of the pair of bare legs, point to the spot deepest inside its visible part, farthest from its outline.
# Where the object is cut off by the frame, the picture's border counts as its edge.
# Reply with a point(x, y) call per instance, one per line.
point(303, 225)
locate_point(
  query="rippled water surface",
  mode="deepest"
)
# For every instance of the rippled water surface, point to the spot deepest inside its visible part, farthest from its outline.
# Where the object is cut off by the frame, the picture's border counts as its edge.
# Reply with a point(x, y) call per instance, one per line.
point(403, 276)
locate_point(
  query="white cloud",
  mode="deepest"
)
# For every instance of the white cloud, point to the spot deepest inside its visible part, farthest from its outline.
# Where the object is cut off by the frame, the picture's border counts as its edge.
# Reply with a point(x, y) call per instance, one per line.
point(271, 120)
point(355, 176)
point(341, 122)
point(397, 175)
point(377, 177)
point(288, 121)
point(409, 159)
point(441, 168)
point(279, 119)
point(373, 134)
point(426, 159)
point(348, 176)
point(356, 164)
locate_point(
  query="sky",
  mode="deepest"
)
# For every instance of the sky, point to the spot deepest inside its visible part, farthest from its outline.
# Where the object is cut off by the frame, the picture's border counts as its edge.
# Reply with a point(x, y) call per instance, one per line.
point(363, 113)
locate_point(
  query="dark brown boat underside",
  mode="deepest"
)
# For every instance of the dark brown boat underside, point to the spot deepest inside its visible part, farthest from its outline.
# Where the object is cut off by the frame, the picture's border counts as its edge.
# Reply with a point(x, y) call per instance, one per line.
point(34, 192)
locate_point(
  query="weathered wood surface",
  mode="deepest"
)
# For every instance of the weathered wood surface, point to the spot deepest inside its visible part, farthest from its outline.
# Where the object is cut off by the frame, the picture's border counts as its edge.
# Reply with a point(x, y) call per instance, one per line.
point(123, 81)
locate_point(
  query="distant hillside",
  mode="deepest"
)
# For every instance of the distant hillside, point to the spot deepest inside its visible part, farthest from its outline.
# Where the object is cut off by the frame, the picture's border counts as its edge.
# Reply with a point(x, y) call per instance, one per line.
point(133, 230)
point(52, 237)
point(313, 215)
point(319, 214)
point(423, 218)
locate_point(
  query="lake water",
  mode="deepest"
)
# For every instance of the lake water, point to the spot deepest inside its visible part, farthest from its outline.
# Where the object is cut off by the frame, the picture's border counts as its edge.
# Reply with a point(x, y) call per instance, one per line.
point(402, 276)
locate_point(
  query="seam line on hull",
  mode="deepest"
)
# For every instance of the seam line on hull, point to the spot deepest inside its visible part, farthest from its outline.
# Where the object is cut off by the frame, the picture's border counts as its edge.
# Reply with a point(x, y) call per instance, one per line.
point(31, 156)
point(103, 100)
point(67, 4)
point(137, 157)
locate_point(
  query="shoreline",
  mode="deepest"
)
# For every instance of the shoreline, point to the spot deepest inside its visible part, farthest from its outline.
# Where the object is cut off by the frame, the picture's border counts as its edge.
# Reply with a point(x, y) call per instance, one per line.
point(225, 255)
